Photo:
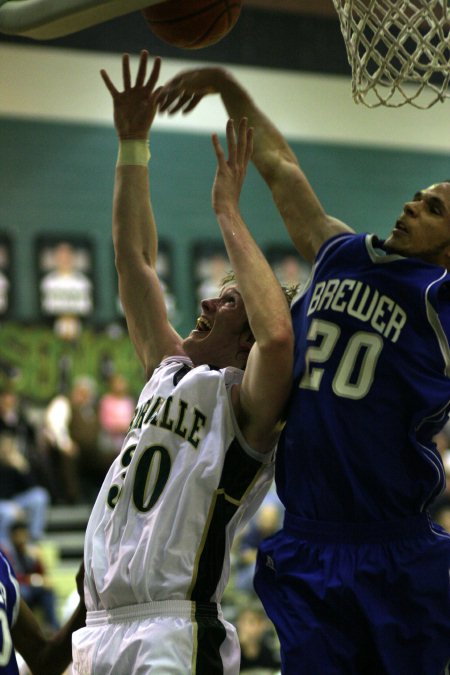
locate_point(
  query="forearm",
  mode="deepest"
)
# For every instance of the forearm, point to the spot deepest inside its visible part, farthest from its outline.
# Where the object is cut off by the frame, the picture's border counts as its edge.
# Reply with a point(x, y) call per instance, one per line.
point(134, 229)
point(265, 303)
point(269, 146)
point(297, 203)
point(45, 656)
point(136, 243)
point(57, 653)
point(302, 212)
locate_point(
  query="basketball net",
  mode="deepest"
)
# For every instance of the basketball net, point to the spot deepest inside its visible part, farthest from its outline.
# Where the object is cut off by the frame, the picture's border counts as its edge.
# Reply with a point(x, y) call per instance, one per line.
point(398, 50)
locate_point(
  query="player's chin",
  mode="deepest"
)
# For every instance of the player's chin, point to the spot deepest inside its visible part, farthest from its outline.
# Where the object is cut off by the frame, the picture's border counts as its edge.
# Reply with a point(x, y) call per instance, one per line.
point(393, 244)
point(199, 335)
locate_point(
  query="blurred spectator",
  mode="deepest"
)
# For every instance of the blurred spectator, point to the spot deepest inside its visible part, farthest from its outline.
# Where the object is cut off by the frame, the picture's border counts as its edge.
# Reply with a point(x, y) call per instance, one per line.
point(4, 293)
point(115, 409)
point(259, 653)
point(72, 434)
point(291, 271)
point(210, 271)
point(14, 422)
point(20, 494)
point(65, 289)
point(442, 440)
point(265, 522)
point(442, 516)
point(26, 561)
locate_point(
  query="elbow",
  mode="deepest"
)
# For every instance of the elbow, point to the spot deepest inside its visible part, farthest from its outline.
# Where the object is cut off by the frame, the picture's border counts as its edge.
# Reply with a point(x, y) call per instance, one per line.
point(280, 340)
point(120, 263)
point(131, 261)
point(275, 165)
point(123, 257)
point(285, 341)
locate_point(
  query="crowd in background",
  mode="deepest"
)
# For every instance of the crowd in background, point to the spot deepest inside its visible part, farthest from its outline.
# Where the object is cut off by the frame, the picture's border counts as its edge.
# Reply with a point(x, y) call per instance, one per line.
point(58, 454)
point(61, 456)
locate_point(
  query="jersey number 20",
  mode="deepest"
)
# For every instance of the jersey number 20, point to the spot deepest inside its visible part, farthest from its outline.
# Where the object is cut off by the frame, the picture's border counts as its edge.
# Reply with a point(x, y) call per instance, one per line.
point(356, 369)
point(6, 642)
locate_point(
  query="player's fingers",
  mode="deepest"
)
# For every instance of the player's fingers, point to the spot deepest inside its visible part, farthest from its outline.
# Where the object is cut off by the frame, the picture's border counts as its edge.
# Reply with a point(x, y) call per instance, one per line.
point(231, 141)
point(165, 99)
point(242, 140)
point(195, 100)
point(170, 91)
point(126, 75)
point(156, 94)
point(142, 69)
point(106, 79)
point(161, 98)
point(154, 75)
point(249, 146)
point(218, 149)
point(180, 103)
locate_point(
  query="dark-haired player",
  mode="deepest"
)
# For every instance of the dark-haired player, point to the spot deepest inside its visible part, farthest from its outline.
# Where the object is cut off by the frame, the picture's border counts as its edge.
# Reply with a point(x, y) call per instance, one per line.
point(357, 581)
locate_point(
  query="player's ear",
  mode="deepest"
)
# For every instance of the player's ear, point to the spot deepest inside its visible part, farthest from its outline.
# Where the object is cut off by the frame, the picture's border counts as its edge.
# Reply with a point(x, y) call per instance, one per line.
point(246, 341)
point(247, 337)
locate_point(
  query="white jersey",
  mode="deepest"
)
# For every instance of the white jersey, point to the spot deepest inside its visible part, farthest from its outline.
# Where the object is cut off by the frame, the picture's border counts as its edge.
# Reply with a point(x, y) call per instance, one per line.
point(166, 515)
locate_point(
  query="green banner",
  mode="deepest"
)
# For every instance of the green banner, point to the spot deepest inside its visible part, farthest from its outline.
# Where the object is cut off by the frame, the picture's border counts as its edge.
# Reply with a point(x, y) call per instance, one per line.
point(41, 364)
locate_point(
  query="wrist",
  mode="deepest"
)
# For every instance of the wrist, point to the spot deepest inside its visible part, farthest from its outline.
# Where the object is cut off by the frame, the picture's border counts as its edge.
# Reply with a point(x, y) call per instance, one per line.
point(133, 152)
point(226, 82)
point(227, 215)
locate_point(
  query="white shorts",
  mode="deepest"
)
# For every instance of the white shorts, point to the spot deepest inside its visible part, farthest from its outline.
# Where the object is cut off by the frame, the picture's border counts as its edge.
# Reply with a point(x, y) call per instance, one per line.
point(162, 638)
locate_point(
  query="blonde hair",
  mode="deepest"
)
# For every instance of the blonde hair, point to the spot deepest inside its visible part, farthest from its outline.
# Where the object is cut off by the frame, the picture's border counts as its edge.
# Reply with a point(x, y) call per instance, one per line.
point(289, 291)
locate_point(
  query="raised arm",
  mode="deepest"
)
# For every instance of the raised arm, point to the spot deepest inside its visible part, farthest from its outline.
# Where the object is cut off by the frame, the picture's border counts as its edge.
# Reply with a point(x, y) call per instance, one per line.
point(134, 229)
point(306, 221)
point(260, 399)
point(47, 656)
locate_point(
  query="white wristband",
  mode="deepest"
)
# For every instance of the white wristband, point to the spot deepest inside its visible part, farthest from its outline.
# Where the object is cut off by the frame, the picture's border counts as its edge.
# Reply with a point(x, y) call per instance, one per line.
point(134, 153)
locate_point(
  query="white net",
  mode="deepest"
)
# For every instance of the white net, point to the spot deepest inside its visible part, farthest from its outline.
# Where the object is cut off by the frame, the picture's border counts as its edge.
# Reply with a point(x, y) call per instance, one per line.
point(398, 50)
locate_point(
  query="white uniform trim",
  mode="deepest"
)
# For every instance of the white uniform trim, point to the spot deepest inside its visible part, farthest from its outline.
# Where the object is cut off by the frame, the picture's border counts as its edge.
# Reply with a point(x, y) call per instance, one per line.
point(183, 609)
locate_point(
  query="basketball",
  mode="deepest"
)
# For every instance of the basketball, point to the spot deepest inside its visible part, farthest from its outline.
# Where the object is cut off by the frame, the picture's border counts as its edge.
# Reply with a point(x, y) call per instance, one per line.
point(192, 24)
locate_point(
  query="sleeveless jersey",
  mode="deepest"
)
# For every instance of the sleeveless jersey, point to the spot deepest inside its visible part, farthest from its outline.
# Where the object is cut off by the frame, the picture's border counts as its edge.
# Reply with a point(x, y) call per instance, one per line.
point(164, 520)
point(371, 386)
point(9, 609)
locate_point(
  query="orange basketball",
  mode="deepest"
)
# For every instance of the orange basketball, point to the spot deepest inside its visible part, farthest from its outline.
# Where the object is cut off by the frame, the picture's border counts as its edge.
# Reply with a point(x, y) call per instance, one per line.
point(192, 24)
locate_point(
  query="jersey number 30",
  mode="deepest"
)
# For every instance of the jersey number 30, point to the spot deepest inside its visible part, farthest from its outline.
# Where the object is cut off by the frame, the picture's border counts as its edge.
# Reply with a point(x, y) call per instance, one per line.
point(150, 477)
point(356, 369)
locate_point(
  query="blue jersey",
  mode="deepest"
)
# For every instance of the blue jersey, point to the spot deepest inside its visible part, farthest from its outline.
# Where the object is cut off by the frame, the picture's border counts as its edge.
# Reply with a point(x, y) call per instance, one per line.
point(9, 608)
point(371, 386)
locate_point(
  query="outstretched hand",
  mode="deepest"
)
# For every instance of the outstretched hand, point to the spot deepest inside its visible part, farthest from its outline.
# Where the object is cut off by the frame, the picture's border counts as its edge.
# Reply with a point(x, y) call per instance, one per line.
point(135, 107)
point(185, 91)
point(230, 173)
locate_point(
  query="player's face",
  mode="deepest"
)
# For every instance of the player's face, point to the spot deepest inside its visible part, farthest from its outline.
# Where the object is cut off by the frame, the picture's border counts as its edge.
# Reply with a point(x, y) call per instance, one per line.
point(423, 229)
point(220, 336)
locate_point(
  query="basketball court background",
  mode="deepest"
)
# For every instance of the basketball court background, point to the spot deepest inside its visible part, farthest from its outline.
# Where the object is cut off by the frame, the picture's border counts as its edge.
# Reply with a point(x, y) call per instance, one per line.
point(58, 147)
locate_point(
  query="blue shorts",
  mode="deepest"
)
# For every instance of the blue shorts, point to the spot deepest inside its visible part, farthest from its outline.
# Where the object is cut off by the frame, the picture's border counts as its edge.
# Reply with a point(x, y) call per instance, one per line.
point(358, 600)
